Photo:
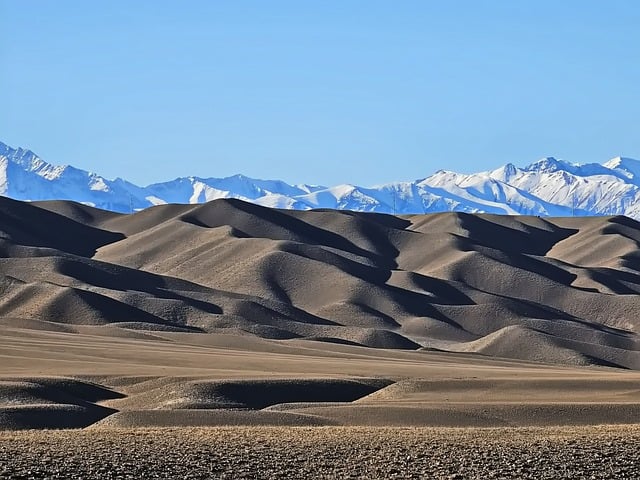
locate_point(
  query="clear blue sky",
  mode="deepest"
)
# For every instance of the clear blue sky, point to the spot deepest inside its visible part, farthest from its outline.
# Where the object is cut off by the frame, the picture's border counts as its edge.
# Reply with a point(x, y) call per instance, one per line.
point(318, 91)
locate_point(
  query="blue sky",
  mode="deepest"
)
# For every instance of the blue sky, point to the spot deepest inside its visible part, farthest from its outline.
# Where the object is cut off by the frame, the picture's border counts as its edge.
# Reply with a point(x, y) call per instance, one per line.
point(319, 92)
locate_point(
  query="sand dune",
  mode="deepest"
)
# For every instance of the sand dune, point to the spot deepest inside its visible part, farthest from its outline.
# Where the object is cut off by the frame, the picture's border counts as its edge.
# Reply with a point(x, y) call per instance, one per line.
point(51, 403)
point(246, 394)
point(556, 290)
point(229, 313)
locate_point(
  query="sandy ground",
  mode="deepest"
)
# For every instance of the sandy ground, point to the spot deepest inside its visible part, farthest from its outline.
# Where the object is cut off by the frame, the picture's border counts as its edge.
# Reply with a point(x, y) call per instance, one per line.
point(123, 388)
point(335, 344)
point(61, 380)
point(327, 452)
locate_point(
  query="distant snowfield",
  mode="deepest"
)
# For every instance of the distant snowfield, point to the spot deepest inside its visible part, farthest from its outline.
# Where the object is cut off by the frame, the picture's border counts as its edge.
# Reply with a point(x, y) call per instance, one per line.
point(548, 187)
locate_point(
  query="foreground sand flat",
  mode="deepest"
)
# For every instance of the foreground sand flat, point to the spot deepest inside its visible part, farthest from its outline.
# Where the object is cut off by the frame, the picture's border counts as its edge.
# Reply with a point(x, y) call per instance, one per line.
point(327, 452)
point(97, 379)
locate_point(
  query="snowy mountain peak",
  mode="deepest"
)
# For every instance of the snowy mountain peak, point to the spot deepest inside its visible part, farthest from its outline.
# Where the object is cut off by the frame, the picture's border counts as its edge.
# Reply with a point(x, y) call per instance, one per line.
point(504, 173)
point(546, 187)
point(628, 167)
point(548, 164)
point(23, 157)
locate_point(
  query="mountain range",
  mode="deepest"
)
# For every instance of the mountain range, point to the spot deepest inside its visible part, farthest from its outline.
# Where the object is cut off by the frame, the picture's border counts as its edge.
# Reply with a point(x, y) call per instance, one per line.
point(548, 187)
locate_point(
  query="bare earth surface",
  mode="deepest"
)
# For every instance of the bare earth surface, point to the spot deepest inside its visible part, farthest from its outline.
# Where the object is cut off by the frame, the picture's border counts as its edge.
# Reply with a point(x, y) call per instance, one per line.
point(327, 452)
point(228, 340)
point(73, 380)
point(145, 403)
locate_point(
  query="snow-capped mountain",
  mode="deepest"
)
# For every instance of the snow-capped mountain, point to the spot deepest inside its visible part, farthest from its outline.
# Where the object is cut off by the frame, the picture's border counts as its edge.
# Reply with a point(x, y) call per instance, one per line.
point(547, 187)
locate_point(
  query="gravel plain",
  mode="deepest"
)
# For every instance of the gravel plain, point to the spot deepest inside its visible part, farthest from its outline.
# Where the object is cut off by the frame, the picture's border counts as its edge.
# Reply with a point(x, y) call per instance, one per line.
point(323, 452)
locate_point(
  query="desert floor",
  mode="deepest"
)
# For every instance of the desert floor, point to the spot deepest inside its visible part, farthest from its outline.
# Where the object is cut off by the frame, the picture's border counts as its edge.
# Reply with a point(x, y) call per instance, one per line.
point(228, 339)
point(175, 379)
point(323, 452)
point(168, 405)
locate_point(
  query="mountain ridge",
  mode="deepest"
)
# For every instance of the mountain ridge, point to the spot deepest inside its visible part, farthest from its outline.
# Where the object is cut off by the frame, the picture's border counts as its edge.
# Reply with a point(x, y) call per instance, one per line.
point(547, 187)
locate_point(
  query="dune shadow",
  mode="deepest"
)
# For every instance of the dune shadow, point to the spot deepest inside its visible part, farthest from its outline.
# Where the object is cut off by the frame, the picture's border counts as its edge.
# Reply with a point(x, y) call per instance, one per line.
point(25, 224)
point(259, 394)
point(52, 403)
point(533, 241)
point(258, 222)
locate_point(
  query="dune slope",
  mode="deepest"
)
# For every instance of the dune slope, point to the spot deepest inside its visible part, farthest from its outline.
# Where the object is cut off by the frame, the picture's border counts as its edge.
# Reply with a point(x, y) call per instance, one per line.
point(562, 290)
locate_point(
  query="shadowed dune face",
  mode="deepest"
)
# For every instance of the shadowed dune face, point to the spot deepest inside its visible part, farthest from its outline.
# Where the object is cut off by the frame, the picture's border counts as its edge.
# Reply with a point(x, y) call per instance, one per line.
point(52, 403)
point(559, 290)
point(24, 224)
point(248, 394)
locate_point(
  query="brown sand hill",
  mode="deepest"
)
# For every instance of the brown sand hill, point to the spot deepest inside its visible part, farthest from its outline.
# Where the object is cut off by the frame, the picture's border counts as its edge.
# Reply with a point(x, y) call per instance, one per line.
point(229, 313)
point(561, 290)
